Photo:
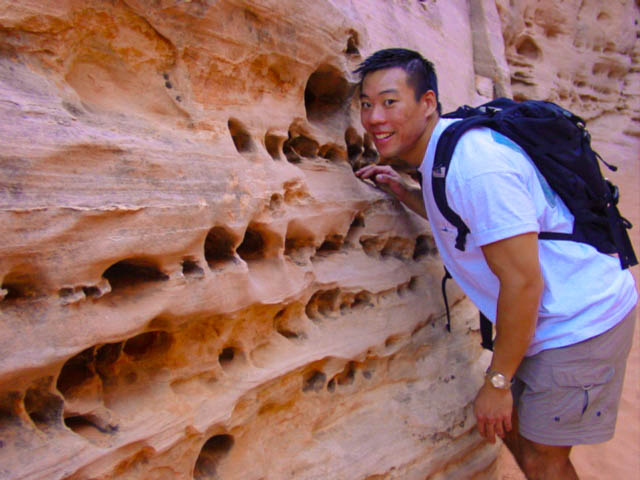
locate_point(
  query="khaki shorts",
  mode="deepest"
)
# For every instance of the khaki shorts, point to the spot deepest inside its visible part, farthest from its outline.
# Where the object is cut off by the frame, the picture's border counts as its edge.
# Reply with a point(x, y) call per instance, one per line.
point(569, 396)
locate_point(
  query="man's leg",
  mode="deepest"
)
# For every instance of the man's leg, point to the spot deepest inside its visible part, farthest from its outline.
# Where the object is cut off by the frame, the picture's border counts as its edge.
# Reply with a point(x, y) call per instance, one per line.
point(537, 461)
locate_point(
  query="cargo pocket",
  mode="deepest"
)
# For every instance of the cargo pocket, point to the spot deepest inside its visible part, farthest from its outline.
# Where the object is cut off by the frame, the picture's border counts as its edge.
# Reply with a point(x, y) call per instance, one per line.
point(577, 392)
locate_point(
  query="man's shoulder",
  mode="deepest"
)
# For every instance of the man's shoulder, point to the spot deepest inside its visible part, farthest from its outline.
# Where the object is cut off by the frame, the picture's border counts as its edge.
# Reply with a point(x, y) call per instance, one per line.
point(484, 151)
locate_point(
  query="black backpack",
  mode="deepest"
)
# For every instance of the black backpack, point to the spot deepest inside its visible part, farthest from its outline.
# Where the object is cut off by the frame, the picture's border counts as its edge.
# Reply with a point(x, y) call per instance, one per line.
point(560, 146)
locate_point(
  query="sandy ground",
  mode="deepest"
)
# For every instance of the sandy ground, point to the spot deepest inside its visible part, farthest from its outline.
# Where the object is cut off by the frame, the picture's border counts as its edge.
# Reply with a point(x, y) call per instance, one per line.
point(618, 458)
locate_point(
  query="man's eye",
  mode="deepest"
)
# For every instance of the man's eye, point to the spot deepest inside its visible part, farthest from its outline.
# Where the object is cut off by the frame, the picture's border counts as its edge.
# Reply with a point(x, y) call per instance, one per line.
point(365, 104)
point(388, 102)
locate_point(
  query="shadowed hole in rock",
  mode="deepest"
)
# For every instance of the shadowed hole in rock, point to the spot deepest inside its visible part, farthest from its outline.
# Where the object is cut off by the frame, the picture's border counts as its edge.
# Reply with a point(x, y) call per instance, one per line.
point(322, 303)
point(148, 344)
point(212, 454)
point(133, 272)
point(91, 292)
point(348, 375)
point(298, 147)
point(227, 355)
point(332, 152)
point(354, 144)
point(298, 248)
point(353, 43)
point(358, 221)
point(331, 244)
point(240, 136)
point(369, 154)
point(362, 300)
point(331, 385)
point(528, 48)
point(282, 323)
point(190, 268)
point(18, 287)
point(43, 407)
point(88, 425)
point(393, 341)
point(106, 356)
point(372, 246)
point(273, 144)
point(219, 247)
point(253, 246)
point(398, 247)
point(10, 404)
point(326, 94)
point(313, 381)
point(276, 201)
point(76, 371)
point(423, 247)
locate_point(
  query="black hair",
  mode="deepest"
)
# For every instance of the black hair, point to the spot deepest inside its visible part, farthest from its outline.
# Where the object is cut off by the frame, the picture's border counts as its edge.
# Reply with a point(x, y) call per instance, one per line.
point(421, 74)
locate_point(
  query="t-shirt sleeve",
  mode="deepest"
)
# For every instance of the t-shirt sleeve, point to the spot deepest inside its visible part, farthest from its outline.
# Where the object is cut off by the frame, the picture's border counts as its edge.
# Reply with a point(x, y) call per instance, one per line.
point(494, 205)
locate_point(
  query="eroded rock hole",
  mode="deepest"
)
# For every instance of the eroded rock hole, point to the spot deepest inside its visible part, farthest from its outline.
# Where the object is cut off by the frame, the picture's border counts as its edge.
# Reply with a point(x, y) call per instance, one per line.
point(358, 221)
point(106, 356)
point(148, 344)
point(272, 144)
point(369, 154)
point(331, 244)
point(190, 268)
point(362, 299)
point(240, 136)
point(44, 408)
point(17, 287)
point(76, 371)
point(132, 272)
point(397, 247)
point(372, 246)
point(88, 425)
point(219, 247)
point(313, 381)
point(226, 356)
point(348, 375)
point(322, 303)
point(422, 248)
point(528, 48)
point(332, 153)
point(213, 452)
point(326, 94)
point(352, 44)
point(253, 245)
point(355, 148)
point(297, 148)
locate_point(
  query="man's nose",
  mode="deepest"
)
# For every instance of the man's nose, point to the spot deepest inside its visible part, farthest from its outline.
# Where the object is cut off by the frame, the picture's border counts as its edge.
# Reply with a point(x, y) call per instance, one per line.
point(376, 115)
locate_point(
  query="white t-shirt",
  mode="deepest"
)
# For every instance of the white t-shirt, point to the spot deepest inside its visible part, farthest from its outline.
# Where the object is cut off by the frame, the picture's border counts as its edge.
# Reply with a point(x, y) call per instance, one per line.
point(499, 193)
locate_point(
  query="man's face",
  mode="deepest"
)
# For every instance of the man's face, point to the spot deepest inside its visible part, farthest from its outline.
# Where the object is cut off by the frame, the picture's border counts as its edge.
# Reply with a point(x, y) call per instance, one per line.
point(395, 120)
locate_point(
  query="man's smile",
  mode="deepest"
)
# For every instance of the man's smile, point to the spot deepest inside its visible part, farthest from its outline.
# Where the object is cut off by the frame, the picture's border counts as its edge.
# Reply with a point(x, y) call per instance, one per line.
point(382, 135)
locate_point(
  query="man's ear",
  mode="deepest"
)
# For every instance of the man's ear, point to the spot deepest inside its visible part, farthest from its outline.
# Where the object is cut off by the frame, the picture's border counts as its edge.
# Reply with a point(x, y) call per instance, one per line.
point(429, 102)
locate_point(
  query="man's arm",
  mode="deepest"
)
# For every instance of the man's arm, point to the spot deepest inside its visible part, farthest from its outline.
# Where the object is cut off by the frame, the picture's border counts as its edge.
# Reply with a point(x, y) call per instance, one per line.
point(516, 264)
point(391, 182)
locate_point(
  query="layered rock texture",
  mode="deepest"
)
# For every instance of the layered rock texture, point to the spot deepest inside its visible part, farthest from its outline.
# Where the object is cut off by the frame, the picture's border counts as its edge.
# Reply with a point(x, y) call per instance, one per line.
point(194, 284)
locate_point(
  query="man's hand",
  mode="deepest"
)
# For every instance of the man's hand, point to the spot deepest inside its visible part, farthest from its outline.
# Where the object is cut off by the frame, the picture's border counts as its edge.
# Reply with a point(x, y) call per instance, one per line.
point(385, 175)
point(493, 408)
point(390, 181)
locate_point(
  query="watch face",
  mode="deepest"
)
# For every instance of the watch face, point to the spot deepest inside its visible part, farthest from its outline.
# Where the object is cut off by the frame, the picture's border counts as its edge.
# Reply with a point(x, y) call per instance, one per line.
point(498, 380)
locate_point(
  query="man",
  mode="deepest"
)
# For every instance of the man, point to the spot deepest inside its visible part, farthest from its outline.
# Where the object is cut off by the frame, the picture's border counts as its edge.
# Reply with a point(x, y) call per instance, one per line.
point(564, 313)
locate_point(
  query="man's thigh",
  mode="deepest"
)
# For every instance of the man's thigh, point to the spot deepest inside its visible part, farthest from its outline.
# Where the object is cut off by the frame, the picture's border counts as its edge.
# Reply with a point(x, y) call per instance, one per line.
point(569, 396)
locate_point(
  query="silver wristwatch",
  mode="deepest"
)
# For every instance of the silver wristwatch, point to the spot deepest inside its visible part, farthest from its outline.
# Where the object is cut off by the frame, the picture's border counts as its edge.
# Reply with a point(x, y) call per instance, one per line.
point(498, 380)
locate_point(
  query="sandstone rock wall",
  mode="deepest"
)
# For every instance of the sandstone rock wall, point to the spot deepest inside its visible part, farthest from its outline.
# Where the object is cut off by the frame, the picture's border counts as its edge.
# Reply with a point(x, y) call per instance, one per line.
point(194, 284)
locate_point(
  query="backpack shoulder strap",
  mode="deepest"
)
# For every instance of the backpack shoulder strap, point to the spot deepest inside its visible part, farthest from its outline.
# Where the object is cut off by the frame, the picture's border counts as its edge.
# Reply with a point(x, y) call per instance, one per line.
point(444, 151)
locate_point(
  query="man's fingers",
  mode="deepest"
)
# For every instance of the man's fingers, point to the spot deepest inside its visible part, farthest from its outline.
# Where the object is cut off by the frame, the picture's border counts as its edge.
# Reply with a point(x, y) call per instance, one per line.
point(507, 424)
point(490, 434)
point(498, 429)
point(481, 427)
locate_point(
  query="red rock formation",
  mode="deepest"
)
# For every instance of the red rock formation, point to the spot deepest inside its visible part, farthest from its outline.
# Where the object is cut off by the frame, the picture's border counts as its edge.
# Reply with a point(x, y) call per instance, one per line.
point(194, 284)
